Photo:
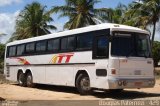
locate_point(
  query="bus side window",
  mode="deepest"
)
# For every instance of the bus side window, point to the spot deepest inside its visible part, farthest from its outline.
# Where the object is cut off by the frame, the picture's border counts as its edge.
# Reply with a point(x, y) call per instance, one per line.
point(30, 47)
point(101, 47)
point(64, 42)
point(41, 46)
point(7, 52)
point(68, 44)
point(84, 42)
point(53, 45)
point(12, 51)
point(20, 50)
point(71, 43)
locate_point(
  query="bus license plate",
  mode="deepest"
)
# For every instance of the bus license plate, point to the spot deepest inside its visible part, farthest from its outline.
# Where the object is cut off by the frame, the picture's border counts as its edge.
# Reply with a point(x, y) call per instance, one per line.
point(138, 83)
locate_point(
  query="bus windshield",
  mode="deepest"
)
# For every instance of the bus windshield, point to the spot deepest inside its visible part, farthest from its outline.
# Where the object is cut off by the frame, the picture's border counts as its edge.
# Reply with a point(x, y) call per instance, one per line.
point(131, 45)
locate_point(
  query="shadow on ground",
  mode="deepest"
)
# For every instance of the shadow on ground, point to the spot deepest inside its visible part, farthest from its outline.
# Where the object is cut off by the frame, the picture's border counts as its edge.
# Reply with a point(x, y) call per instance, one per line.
point(102, 94)
point(57, 88)
point(125, 95)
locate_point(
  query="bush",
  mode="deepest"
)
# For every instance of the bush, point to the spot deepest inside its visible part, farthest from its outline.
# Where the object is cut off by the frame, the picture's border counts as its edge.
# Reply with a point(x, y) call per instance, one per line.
point(156, 52)
point(1, 67)
point(157, 72)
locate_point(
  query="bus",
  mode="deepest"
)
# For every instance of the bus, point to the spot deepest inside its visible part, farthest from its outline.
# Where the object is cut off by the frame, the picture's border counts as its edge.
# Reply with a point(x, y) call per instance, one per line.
point(105, 57)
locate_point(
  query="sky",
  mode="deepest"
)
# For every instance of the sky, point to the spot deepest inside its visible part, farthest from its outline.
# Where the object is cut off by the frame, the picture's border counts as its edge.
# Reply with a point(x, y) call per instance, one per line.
point(9, 10)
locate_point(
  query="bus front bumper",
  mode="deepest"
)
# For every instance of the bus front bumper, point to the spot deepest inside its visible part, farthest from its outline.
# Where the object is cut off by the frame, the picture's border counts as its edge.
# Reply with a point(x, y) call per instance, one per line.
point(119, 83)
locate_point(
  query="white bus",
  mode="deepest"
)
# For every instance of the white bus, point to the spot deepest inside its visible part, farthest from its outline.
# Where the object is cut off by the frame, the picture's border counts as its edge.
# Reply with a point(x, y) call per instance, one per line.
point(105, 56)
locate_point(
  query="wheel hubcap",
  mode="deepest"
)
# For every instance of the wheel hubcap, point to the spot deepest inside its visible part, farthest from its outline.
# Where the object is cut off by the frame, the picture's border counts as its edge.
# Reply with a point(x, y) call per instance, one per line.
point(29, 80)
point(85, 83)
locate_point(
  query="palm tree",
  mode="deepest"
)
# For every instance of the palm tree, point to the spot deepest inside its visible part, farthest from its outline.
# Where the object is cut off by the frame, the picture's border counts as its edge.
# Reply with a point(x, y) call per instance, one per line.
point(144, 13)
point(33, 21)
point(115, 15)
point(80, 13)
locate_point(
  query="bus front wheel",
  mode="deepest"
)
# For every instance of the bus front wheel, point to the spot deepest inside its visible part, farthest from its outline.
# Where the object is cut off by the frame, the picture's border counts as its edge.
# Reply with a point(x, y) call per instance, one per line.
point(21, 79)
point(83, 84)
point(29, 80)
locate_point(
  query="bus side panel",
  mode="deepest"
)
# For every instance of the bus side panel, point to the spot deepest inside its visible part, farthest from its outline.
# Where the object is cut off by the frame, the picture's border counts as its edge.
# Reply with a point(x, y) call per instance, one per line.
point(12, 73)
point(100, 82)
point(60, 74)
point(10, 70)
point(38, 73)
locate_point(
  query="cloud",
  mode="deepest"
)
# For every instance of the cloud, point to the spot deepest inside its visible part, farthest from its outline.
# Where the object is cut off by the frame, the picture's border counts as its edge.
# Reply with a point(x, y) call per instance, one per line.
point(9, 2)
point(7, 24)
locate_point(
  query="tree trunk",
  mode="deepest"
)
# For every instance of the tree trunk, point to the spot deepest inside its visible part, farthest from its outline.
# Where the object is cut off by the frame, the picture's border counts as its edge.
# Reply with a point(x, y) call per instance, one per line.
point(153, 34)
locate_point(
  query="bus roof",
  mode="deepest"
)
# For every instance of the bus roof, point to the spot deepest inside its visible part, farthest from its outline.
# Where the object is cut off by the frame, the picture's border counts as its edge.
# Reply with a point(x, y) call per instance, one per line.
point(111, 26)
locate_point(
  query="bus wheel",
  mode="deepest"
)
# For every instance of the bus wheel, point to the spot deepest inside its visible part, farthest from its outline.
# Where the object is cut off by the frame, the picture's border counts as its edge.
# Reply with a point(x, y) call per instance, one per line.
point(21, 79)
point(83, 84)
point(29, 80)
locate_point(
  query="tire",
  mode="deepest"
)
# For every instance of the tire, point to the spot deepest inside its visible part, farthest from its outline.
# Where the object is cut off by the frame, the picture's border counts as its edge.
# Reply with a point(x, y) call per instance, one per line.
point(29, 80)
point(83, 84)
point(21, 79)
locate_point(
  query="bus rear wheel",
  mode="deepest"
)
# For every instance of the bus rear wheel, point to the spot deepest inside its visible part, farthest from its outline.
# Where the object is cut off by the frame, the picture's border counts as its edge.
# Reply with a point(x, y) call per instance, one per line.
point(83, 84)
point(29, 80)
point(21, 79)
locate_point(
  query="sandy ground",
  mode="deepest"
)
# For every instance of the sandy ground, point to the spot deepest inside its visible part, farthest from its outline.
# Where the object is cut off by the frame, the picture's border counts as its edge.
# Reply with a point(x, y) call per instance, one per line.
point(48, 92)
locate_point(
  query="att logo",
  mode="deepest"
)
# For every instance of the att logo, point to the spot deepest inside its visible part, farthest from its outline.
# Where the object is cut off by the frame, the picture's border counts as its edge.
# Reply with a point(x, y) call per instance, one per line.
point(61, 58)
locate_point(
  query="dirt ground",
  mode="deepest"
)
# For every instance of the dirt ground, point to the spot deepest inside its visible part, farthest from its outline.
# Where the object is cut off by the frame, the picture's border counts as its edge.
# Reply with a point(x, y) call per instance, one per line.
point(48, 92)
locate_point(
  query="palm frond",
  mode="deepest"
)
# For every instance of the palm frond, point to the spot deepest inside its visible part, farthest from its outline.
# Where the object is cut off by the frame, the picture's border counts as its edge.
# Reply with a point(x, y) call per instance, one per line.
point(81, 13)
point(33, 21)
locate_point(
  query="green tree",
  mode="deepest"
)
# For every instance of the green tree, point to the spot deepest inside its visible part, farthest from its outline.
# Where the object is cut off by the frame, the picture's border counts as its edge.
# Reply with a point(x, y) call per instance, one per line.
point(33, 21)
point(144, 13)
point(81, 13)
point(156, 52)
point(2, 51)
point(115, 15)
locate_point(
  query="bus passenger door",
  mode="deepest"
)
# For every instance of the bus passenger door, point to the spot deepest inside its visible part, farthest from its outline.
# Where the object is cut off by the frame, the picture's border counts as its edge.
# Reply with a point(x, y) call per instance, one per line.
point(101, 54)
